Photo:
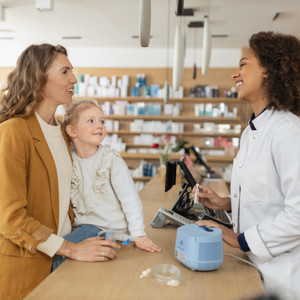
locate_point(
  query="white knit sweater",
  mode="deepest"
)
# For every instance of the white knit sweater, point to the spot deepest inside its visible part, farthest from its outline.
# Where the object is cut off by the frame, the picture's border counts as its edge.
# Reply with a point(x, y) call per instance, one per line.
point(103, 193)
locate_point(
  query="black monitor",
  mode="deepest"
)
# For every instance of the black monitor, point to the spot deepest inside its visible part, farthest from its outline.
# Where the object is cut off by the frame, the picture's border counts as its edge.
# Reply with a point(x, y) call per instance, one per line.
point(171, 169)
point(199, 159)
point(170, 179)
point(184, 202)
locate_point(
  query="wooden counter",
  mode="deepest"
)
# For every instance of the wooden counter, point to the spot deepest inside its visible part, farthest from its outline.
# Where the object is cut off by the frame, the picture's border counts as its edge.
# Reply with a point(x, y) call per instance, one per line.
point(119, 279)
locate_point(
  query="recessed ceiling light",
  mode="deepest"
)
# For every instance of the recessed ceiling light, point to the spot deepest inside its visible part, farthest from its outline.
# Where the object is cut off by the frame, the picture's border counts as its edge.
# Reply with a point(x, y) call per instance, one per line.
point(71, 37)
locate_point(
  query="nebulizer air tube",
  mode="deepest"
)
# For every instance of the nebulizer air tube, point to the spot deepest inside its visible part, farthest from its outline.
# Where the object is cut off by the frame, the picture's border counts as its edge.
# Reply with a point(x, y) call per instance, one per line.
point(112, 235)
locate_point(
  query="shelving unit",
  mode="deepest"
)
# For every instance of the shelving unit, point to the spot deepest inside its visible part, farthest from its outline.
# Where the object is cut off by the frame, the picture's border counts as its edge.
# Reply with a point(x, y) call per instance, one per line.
point(187, 117)
point(220, 77)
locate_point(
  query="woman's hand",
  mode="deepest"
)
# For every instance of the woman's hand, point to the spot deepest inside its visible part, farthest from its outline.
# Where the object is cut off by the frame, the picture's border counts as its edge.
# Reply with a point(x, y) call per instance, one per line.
point(210, 199)
point(229, 237)
point(144, 243)
point(91, 249)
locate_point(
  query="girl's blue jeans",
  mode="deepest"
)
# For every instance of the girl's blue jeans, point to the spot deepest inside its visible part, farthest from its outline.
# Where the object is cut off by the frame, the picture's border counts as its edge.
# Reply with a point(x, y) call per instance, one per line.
point(81, 233)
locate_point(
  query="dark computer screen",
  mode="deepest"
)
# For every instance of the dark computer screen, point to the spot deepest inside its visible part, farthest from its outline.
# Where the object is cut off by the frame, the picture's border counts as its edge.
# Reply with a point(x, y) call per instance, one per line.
point(184, 201)
point(200, 159)
point(170, 179)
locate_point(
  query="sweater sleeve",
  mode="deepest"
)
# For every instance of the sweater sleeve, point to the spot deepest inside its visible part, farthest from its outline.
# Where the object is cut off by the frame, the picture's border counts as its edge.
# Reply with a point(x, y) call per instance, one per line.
point(126, 192)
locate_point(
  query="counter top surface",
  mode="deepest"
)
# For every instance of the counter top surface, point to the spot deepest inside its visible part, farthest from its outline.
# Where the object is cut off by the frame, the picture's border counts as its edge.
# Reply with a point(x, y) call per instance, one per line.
point(119, 279)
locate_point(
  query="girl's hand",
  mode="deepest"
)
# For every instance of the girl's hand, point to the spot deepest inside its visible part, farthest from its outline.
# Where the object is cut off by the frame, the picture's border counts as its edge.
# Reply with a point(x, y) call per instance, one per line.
point(91, 249)
point(144, 243)
point(229, 237)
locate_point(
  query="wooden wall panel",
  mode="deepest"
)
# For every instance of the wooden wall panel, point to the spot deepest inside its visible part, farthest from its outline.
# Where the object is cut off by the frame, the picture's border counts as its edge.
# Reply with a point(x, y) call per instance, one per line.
point(220, 77)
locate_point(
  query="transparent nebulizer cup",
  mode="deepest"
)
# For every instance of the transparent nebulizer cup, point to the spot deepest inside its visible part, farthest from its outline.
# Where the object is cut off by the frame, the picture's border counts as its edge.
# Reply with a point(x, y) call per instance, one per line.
point(167, 273)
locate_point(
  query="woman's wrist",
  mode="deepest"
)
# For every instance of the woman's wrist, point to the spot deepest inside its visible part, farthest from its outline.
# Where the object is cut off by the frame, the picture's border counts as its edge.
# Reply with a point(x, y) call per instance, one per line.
point(65, 249)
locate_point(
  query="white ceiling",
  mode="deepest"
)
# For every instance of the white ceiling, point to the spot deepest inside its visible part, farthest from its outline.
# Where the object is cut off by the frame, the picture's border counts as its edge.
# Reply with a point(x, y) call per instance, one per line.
point(112, 23)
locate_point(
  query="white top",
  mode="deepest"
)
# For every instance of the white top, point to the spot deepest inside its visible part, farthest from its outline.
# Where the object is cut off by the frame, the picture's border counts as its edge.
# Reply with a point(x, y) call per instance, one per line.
point(265, 198)
point(103, 193)
point(63, 163)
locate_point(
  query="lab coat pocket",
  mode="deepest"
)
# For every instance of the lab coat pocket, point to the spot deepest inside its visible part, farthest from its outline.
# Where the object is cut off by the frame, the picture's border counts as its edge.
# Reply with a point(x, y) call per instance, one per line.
point(254, 185)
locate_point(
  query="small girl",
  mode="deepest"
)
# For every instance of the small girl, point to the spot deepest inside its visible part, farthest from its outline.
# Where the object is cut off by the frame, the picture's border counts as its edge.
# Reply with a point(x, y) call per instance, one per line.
point(103, 193)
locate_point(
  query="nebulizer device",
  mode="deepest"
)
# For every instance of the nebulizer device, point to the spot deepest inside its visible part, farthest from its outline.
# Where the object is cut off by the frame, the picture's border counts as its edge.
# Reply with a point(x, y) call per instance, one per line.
point(199, 247)
point(112, 235)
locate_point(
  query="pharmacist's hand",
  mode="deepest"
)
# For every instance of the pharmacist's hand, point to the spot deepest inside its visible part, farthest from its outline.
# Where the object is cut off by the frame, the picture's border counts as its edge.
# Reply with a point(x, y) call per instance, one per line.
point(208, 197)
point(144, 243)
point(229, 237)
point(91, 249)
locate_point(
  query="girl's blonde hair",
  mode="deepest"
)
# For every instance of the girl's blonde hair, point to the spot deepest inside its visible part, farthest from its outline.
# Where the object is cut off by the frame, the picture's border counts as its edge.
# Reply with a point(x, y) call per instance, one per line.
point(26, 82)
point(73, 111)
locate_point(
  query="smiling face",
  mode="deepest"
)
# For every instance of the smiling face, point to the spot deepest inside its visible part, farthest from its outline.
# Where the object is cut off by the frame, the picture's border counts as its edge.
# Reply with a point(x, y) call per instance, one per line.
point(249, 79)
point(88, 132)
point(59, 87)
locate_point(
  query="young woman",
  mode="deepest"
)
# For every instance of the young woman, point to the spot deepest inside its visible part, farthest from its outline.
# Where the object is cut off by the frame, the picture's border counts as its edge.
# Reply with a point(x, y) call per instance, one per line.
point(103, 194)
point(265, 189)
point(36, 171)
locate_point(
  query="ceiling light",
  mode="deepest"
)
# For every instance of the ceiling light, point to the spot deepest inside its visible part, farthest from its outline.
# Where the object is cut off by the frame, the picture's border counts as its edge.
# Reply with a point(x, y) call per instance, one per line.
point(196, 24)
point(219, 35)
point(6, 38)
point(43, 5)
point(137, 36)
point(179, 7)
point(188, 12)
point(206, 51)
point(276, 16)
point(71, 37)
point(145, 22)
point(2, 13)
point(178, 59)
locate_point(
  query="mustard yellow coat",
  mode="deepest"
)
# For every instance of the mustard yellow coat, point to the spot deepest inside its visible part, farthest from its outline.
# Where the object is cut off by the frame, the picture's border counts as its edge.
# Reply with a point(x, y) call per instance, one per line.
point(29, 206)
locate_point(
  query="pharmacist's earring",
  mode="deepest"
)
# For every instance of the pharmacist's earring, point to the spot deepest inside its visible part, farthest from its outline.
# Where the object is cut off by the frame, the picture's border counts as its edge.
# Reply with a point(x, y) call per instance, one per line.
point(70, 130)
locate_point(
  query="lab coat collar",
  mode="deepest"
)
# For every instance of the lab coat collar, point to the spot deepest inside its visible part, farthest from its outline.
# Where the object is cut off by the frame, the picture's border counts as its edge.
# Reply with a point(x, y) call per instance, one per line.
point(257, 122)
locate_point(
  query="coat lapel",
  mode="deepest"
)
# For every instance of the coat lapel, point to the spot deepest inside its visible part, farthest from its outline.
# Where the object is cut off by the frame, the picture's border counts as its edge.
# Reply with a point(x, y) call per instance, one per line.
point(45, 154)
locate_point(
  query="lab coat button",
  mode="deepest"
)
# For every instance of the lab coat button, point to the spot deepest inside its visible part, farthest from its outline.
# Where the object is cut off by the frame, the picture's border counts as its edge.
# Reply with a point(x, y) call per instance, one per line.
point(235, 195)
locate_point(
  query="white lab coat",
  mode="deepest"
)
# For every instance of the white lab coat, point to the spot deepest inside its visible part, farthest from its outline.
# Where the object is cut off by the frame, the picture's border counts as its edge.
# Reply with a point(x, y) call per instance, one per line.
point(265, 199)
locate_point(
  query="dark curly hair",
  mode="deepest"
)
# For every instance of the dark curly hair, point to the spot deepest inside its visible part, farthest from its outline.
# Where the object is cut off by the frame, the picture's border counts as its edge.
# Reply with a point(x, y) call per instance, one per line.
point(280, 55)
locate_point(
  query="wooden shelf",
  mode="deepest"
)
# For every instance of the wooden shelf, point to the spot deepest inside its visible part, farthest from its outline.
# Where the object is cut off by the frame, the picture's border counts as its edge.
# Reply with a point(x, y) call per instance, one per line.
point(161, 100)
point(147, 156)
point(187, 133)
point(144, 178)
point(129, 145)
point(155, 156)
point(185, 118)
